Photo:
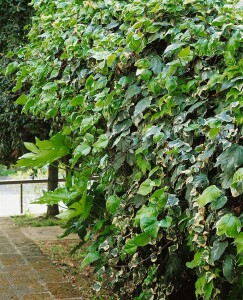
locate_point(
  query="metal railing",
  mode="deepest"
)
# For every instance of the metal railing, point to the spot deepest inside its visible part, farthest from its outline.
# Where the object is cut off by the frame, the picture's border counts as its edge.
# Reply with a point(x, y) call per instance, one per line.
point(25, 181)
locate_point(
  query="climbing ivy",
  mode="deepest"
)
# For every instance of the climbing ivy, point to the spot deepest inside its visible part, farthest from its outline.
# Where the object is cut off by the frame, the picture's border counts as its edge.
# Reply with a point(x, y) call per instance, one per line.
point(148, 95)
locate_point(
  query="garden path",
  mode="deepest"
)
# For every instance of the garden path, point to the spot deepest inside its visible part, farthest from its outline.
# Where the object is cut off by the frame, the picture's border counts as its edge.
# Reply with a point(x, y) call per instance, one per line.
point(25, 272)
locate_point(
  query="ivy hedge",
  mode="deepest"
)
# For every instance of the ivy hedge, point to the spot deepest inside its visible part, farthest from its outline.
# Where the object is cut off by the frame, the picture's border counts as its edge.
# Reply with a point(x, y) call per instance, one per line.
point(148, 95)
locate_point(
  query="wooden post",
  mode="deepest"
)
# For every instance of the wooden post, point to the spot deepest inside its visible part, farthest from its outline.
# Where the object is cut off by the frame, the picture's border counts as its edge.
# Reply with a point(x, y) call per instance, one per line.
point(52, 210)
point(21, 199)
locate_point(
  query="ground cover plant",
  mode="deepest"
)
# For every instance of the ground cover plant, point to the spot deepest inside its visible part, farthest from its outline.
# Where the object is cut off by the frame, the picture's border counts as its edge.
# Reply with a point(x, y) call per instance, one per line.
point(148, 98)
point(28, 220)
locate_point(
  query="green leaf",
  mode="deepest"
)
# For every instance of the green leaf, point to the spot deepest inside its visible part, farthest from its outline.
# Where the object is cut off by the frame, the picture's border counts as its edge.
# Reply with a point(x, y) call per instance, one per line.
point(171, 48)
point(184, 52)
point(46, 152)
point(141, 239)
point(101, 143)
point(82, 149)
point(208, 290)
point(146, 75)
point(142, 105)
point(217, 250)
point(239, 244)
point(171, 84)
point(89, 82)
point(78, 100)
point(230, 160)
point(158, 198)
point(11, 68)
point(122, 126)
point(89, 259)
point(136, 42)
point(229, 58)
point(196, 260)
point(146, 187)
point(111, 59)
point(142, 163)
point(71, 213)
point(21, 100)
point(237, 184)
point(31, 147)
point(228, 267)
point(210, 194)
point(145, 211)
point(130, 247)
point(166, 223)
point(218, 203)
point(132, 91)
point(228, 225)
point(234, 42)
point(54, 197)
point(203, 288)
point(150, 226)
point(112, 204)
point(213, 132)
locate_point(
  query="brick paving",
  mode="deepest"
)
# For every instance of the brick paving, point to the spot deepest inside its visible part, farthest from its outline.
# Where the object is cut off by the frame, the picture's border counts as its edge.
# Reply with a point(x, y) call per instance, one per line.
point(25, 272)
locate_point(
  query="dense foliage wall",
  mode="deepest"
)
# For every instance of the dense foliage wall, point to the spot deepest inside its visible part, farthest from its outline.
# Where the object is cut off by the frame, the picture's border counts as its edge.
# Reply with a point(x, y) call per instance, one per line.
point(149, 99)
point(15, 15)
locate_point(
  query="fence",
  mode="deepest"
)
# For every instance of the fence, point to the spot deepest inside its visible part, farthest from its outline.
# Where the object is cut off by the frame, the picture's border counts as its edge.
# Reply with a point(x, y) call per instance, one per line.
point(21, 183)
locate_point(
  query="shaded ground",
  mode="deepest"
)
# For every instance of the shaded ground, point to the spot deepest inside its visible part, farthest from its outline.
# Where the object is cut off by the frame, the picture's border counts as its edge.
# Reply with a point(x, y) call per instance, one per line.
point(58, 252)
point(25, 272)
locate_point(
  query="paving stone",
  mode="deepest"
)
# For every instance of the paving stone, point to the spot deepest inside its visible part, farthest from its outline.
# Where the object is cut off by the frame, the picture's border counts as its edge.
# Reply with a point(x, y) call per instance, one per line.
point(8, 293)
point(27, 288)
point(7, 248)
point(15, 234)
point(30, 251)
point(3, 239)
point(11, 259)
point(4, 280)
point(51, 275)
point(23, 277)
point(37, 296)
point(20, 241)
point(9, 227)
point(5, 221)
point(41, 264)
point(63, 290)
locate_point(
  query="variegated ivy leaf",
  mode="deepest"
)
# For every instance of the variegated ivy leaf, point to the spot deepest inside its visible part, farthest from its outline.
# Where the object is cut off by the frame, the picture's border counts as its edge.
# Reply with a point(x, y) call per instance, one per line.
point(112, 204)
point(209, 195)
point(150, 225)
point(228, 225)
point(237, 184)
point(146, 187)
point(139, 240)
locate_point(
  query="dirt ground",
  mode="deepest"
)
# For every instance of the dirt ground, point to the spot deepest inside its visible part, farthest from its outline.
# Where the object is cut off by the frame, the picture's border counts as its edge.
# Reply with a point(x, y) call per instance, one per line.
point(59, 254)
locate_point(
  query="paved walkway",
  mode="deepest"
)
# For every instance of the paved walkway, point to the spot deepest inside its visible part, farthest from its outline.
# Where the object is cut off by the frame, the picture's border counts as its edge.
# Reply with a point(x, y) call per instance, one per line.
point(26, 273)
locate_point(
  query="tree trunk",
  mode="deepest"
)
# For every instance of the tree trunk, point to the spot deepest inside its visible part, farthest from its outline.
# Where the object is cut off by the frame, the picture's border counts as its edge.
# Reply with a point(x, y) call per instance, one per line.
point(52, 210)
